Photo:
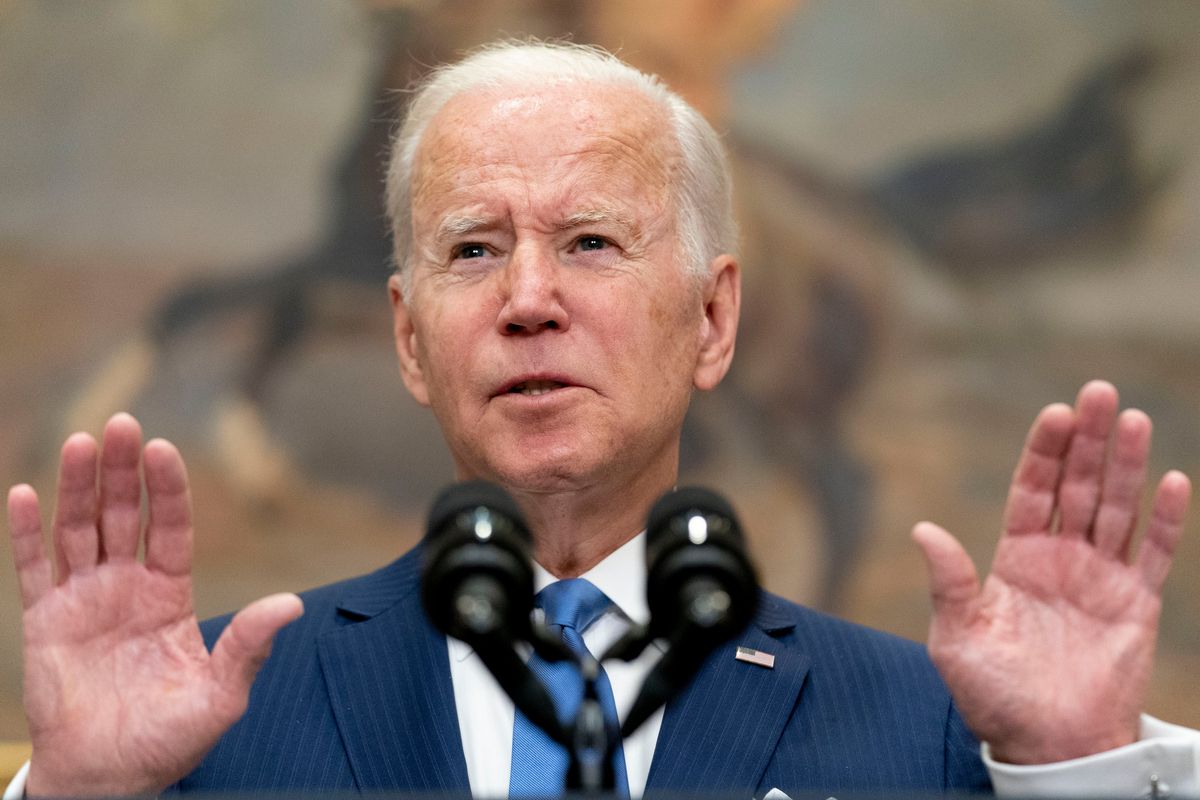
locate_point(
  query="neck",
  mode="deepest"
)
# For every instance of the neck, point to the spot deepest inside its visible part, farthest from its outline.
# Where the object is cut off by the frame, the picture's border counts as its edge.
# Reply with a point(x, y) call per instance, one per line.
point(575, 530)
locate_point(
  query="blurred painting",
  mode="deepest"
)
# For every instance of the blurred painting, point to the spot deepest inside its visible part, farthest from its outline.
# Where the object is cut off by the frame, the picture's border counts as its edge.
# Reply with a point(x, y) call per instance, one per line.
point(951, 215)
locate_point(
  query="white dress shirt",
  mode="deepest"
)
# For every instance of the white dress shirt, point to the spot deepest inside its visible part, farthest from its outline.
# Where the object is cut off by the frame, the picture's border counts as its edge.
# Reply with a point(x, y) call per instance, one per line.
point(1167, 758)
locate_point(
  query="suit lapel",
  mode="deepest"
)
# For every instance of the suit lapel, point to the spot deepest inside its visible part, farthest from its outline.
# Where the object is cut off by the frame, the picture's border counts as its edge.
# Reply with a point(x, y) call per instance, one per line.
point(720, 732)
point(388, 675)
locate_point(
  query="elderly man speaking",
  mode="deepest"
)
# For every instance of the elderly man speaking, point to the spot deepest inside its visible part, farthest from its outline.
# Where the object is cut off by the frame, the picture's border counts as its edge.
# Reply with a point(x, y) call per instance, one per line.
point(566, 279)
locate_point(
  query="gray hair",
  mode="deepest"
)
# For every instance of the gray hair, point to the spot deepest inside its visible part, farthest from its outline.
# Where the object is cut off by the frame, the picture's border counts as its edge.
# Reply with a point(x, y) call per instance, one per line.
point(702, 192)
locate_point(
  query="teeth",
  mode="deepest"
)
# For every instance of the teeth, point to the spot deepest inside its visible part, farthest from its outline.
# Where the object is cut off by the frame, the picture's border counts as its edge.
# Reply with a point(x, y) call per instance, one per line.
point(534, 388)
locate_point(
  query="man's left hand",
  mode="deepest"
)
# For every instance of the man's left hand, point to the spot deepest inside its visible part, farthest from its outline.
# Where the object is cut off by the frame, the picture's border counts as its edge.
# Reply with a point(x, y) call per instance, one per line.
point(1050, 658)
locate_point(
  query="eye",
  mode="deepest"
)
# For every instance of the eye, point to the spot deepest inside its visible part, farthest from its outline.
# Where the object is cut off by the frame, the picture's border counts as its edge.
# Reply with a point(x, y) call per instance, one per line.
point(591, 243)
point(470, 250)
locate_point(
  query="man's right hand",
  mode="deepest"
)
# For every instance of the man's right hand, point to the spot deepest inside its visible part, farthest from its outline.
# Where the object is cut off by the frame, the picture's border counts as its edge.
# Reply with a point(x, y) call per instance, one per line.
point(121, 695)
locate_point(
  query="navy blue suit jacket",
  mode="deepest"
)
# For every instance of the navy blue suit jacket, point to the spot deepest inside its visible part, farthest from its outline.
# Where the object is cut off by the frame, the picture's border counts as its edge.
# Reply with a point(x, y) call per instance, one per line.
point(357, 696)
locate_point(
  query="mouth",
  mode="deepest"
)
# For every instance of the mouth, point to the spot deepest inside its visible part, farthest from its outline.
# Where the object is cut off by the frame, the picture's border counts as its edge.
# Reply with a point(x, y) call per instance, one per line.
point(535, 387)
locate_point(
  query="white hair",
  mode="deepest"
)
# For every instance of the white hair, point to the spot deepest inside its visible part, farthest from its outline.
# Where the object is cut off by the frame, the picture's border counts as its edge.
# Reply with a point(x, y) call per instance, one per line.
point(702, 193)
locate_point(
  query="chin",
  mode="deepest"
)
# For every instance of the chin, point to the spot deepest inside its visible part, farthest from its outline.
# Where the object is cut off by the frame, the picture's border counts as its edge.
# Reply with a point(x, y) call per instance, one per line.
point(544, 477)
point(542, 470)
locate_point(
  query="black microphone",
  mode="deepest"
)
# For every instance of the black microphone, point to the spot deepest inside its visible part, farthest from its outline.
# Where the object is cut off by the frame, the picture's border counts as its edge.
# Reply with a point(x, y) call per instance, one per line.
point(700, 586)
point(477, 586)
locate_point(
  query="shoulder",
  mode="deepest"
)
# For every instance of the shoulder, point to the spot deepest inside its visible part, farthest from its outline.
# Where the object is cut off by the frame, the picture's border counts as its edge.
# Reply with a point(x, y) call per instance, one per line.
point(333, 605)
point(869, 698)
point(776, 612)
point(851, 651)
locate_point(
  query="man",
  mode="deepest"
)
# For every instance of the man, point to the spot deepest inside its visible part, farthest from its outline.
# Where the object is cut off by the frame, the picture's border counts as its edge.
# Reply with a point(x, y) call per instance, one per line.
point(565, 279)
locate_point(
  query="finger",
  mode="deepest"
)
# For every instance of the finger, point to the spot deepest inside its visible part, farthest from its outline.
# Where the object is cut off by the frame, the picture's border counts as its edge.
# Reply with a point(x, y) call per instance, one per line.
point(1079, 495)
point(953, 582)
point(1124, 480)
point(76, 538)
point(1165, 529)
point(34, 573)
point(169, 527)
point(1032, 497)
point(120, 487)
point(245, 644)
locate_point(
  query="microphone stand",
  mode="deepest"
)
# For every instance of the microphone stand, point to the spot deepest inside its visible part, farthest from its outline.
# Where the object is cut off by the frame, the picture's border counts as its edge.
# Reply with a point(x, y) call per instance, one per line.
point(589, 740)
point(476, 585)
point(593, 740)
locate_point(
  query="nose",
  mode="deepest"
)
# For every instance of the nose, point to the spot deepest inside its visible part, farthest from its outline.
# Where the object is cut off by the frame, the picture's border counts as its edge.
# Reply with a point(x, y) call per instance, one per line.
point(532, 287)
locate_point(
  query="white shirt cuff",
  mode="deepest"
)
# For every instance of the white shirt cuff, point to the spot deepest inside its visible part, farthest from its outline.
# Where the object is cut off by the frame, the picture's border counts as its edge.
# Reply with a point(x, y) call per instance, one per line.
point(1166, 754)
point(16, 787)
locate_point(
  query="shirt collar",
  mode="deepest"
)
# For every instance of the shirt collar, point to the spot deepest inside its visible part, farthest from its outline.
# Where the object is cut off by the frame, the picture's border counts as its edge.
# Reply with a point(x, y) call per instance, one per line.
point(621, 575)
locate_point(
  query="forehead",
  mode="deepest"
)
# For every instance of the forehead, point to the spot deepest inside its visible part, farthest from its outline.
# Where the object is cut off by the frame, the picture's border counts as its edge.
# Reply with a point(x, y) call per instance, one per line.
point(570, 137)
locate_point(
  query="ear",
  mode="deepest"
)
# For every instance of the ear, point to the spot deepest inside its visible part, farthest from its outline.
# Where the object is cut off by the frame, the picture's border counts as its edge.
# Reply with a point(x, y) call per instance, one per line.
point(405, 333)
point(722, 297)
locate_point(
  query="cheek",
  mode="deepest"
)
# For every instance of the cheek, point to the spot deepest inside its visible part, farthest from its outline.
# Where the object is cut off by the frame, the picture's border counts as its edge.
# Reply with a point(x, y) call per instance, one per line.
point(657, 347)
point(450, 344)
point(678, 321)
point(445, 371)
point(434, 340)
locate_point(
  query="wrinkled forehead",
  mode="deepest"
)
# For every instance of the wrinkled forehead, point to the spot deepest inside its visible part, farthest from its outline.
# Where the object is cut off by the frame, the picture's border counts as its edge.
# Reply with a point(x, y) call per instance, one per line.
point(617, 130)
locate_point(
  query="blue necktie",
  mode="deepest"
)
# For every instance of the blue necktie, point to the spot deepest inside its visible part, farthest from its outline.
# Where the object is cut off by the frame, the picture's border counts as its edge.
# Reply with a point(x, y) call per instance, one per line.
point(539, 764)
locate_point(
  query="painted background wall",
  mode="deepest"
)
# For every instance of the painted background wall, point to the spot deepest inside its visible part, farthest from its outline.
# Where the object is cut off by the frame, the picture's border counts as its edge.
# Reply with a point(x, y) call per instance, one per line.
point(953, 214)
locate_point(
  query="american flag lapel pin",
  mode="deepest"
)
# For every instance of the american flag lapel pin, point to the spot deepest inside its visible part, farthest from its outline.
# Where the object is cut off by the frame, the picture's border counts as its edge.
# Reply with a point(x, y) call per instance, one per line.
point(752, 656)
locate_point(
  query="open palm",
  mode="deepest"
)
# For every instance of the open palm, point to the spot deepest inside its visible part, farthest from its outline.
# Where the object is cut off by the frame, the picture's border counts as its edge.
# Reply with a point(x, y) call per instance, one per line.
point(1050, 658)
point(121, 695)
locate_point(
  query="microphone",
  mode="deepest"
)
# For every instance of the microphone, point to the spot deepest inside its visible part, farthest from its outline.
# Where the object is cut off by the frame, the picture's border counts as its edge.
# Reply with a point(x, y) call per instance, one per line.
point(700, 586)
point(477, 586)
point(477, 580)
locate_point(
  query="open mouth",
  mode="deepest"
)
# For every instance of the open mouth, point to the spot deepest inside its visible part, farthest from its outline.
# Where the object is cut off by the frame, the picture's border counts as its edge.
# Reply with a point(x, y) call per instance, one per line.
point(534, 388)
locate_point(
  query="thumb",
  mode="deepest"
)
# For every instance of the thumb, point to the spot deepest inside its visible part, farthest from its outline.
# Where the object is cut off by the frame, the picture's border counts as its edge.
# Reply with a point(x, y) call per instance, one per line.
point(953, 582)
point(246, 642)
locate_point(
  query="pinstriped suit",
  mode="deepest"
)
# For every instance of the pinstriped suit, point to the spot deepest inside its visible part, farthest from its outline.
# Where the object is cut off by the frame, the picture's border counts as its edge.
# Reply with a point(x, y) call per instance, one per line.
point(357, 696)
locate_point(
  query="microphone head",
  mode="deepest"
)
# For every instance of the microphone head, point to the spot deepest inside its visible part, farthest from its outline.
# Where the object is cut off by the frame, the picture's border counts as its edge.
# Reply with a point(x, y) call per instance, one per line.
point(698, 575)
point(477, 578)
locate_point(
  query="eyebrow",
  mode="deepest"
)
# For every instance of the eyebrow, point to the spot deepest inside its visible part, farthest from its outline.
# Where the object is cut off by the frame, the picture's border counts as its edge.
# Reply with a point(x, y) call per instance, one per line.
point(598, 216)
point(455, 226)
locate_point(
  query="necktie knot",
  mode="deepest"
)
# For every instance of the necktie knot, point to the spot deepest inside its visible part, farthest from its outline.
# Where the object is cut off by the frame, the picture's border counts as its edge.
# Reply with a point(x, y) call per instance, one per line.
point(573, 603)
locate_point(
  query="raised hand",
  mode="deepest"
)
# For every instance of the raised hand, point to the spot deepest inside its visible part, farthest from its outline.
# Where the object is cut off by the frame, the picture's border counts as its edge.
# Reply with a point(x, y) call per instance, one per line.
point(121, 695)
point(1050, 659)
